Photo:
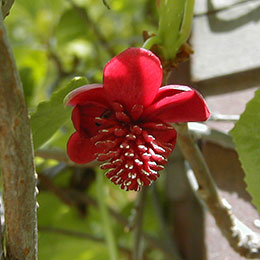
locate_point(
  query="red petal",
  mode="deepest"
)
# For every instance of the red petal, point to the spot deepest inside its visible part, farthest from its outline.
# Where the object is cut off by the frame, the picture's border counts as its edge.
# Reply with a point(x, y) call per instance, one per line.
point(168, 136)
point(83, 118)
point(178, 104)
point(133, 77)
point(85, 94)
point(81, 150)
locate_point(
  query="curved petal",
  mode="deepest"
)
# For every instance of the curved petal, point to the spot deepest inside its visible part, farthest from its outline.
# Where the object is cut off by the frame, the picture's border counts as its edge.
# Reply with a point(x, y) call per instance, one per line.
point(178, 104)
point(85, 94)
point(133, 77)
point(83, 118)
point(80, 149)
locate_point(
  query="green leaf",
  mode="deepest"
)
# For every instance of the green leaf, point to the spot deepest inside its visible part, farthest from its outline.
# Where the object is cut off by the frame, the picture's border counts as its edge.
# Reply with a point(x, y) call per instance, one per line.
point(51, 115)
point(71, 26)
point(26, 74)
point(246, 135)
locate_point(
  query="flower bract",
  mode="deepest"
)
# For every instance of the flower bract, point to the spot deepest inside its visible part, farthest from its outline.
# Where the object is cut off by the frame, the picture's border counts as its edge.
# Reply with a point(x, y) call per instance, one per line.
point(125, 122)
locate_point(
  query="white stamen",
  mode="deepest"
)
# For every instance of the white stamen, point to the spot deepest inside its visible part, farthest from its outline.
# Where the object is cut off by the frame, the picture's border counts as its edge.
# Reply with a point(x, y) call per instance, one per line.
point(139, 182)
point(119, 172)
point(118, 180)
point(145, 172)
point(138, 162)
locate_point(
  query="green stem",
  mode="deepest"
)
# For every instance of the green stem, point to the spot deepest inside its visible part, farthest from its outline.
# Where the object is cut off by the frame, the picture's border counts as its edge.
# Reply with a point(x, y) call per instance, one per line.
point(148, 44)
point(109, 236)
point(171, 14)
point(186, 23)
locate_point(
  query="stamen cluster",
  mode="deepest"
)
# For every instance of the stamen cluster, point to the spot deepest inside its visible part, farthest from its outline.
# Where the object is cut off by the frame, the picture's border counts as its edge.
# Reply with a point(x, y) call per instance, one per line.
point(133, 156)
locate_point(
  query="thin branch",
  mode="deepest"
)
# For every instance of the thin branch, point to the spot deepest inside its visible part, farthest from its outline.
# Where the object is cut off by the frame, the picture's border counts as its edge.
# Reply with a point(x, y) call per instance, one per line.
point(6, 6)
point(106, 4)
point(224, 118)
point(82, 235)
point(205, 133)
point(137, 252)
point(98, 33)
point(16, 159)
point(61, 156)
point(240, 237)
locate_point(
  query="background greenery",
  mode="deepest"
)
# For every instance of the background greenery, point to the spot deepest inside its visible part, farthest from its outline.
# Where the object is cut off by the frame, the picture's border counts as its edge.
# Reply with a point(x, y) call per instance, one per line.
point(54, 41)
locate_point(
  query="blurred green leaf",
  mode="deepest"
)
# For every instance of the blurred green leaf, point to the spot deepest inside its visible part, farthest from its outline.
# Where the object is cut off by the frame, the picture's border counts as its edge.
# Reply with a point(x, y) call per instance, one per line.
point(51, 115)
point(246, 135)
point(26, 74)
point(70, 27)
point(56, 246)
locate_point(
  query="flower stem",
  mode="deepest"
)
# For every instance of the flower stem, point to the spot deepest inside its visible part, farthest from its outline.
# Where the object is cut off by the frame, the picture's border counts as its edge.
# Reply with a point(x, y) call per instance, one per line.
point(175, 23)
point(186, 23)
point(138, 231)
point(148, 44)
point(109, 236)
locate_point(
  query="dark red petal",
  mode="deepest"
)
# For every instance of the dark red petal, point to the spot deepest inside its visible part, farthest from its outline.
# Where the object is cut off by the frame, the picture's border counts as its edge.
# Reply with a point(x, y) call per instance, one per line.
point(178, 104)
point(81, 150)
point(167, 136)
point(75, 117)
point(83, 118)
point(133, 77)
point(85, 94)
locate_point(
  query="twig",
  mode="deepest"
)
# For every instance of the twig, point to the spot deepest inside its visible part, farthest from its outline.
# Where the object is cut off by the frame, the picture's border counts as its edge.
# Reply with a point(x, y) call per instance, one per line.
point(224, 118)
point(241, 238)
point(16, 159)
point(82, 235)
point(6, 6)
point(101, 38)
point(61, 156)
point(205, 133)
point(137, 252)
point(106, 4)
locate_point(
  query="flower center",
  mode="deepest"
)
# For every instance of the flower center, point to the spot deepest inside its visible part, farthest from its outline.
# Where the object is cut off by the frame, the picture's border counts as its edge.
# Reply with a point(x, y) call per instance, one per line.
point(133, 155)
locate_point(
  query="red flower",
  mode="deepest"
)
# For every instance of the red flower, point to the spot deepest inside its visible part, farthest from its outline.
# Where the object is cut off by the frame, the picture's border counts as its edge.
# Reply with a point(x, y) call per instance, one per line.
point(125, 121)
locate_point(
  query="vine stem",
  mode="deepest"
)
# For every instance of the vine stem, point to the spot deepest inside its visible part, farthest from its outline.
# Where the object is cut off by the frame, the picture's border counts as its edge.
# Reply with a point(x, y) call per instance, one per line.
point(240, 237)
point(110, 239)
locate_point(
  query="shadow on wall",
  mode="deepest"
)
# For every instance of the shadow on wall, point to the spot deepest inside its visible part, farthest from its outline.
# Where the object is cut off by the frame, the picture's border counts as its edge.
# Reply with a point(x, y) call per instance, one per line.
point(218, 24)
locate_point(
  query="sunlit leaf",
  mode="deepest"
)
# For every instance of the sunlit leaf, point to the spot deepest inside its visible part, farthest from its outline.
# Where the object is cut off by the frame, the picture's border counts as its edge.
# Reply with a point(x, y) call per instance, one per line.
point(51, 115)
point(246, 135)
point(70, 27)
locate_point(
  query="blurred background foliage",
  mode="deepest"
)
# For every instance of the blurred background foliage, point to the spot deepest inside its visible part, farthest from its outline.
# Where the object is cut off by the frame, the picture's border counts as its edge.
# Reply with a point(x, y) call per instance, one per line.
point(54, 41)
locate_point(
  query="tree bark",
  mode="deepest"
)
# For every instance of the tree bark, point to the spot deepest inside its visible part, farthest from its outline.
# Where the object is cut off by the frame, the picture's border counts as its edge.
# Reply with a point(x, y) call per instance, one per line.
point(16, 159)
